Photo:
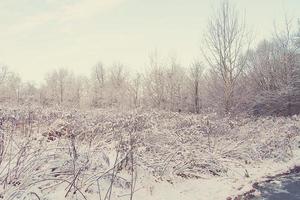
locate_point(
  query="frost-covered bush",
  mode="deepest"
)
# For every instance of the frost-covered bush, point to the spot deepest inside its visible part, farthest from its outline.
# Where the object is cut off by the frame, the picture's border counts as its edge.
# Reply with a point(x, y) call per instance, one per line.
point(44, 149)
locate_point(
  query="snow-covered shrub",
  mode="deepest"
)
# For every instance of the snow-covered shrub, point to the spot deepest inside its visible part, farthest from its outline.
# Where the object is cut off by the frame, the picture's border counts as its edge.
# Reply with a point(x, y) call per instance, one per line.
point(91, 147)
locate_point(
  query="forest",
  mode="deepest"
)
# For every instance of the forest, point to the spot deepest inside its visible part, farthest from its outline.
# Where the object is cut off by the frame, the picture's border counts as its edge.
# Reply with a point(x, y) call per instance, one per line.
point(235, 76)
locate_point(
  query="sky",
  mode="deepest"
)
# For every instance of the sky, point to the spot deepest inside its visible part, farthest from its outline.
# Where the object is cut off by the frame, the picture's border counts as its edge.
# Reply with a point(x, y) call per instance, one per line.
point(37, 36)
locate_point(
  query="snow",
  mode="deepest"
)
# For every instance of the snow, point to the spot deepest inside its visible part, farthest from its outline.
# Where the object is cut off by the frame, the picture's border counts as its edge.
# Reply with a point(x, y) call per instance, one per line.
point(215, 188)
point(176, 156)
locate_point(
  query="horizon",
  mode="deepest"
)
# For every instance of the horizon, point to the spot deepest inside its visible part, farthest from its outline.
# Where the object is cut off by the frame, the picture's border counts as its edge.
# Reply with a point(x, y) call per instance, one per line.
point(42, 36)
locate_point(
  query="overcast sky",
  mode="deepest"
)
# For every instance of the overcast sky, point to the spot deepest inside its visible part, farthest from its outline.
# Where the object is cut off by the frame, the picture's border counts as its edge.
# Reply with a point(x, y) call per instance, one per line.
point(39, 35)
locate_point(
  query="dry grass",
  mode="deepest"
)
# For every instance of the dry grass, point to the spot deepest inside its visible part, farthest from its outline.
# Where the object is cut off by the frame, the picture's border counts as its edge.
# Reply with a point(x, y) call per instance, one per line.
point(98, 152)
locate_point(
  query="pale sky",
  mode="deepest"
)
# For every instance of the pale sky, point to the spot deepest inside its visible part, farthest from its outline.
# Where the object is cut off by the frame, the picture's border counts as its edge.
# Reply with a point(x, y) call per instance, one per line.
point(39, 35)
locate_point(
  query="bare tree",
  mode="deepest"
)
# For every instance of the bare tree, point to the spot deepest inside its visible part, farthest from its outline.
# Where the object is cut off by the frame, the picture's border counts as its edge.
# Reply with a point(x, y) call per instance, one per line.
point(118, 86)
point(196, 71)
point(273, 68)
point(98, 81)
point(13, 83)
point(117, 75)
point(78, 86)
point(3, 77)
point(50, 90)
point(3, 73)
point(174, 87)
point(100, 74)
point(62, 74)
point(226, 42)
point(155, 82)
point(56, 83)
point(136, 89)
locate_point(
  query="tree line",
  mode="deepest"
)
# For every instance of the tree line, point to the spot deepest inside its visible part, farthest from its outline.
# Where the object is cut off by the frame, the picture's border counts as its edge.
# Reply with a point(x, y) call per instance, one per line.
point(232, 77)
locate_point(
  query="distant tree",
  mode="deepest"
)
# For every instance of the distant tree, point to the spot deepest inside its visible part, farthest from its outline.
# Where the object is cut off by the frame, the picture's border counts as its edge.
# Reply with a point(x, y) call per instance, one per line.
point(50, 94)
point(100, 74)
point(135, 89)
point(118, 85)
point(98, 80)
point(155, 82)
point(3, 73)
point(62, 74)
point(195, 74)
point(273, 70)
point(78, 90)
point(286, 56)
point(175, 78)
point(56, 83)
point(30, 92)
point(117, 75)
point(14, 83)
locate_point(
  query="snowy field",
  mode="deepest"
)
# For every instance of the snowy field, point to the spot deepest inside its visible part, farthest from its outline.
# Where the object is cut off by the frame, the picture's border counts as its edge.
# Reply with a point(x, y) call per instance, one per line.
point(143, 154)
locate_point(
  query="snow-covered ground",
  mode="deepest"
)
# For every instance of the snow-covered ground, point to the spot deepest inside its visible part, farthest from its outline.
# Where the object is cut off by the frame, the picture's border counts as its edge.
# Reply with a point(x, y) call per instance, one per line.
point(216, 187)
point(157, 155)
